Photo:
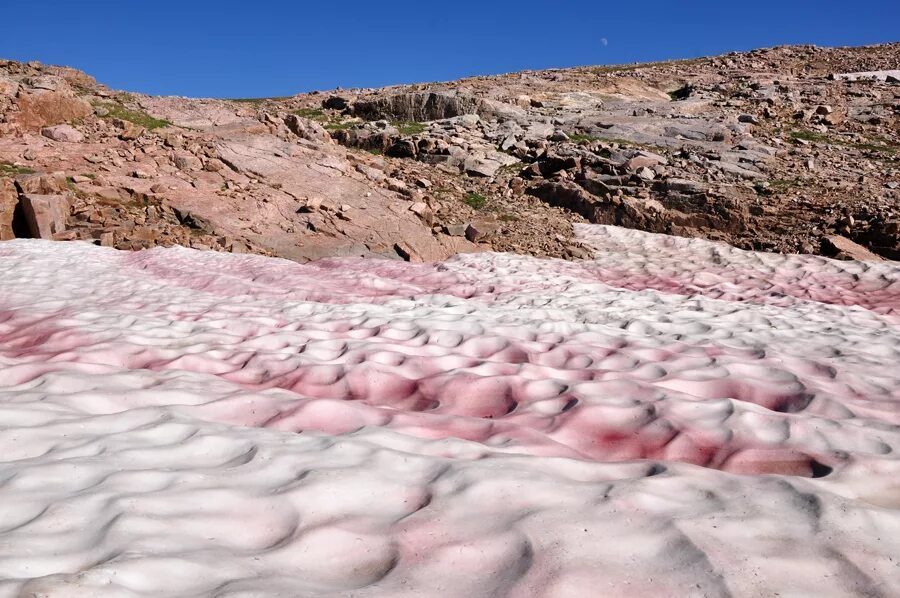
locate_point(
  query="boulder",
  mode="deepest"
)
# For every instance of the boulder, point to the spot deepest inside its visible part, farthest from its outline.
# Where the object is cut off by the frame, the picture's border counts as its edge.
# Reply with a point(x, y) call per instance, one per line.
point(46, 214)
point(187, 162)
point(9, 199)
point(478, 230)
point(43, 108)
point(306, 129)
point(482, 167)
point(335, 103)
point(128, 130)
point(403, 148)
point(54, 183)
point(8, 87)
point(685, 186)
point(63, 133)
point(843, 248)
point(456, 230)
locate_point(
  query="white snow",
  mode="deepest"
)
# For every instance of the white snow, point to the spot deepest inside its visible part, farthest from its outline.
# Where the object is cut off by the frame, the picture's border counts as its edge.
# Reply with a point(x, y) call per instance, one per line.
point(675, 417)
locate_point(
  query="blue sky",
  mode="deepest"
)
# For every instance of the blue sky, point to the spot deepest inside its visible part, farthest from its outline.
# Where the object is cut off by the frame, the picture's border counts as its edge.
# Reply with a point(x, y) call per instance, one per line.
point(241, 49)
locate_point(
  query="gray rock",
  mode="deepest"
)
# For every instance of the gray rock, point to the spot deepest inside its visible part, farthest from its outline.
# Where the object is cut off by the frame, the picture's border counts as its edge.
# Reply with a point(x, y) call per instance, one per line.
point(63, 133)
point(481, 167)
point(685, 186)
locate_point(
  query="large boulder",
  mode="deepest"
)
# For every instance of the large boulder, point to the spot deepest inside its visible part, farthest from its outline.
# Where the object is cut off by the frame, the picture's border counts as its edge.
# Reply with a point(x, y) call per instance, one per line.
point(307, 129)
point(53, 183)
point(46, 214)
point(9, 199)
point(41, 108)
point(64, 133)
point(8, 87)
point(843, 248)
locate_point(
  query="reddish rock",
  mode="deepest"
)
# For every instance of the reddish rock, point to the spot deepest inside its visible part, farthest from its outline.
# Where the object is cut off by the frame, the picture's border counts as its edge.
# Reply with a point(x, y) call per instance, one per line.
point(843, 248)
point(8, 201)
point(478, 230)
point(46, 214)
point(44, 108)
point(54, 183)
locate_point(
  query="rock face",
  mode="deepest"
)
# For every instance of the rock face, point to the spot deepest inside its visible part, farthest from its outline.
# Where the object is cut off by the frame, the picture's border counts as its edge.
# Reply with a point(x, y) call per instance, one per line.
point(46, 214)
point(417, 106)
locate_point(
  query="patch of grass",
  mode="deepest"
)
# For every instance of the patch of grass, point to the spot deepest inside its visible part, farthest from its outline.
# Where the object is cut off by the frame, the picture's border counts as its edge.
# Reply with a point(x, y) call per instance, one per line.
point(813, 136)
point(142, 119)
point(375, 152)
point(512, 169)
point(340, 126)
point(807, 135)
point(310, 113)
point(410, 128)
point(581, 138)
point(475, 200)
point(11, 170)
point(776, 187)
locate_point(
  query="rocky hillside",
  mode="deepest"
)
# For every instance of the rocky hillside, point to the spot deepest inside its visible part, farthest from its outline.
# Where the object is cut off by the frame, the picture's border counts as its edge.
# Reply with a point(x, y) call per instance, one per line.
point(791, 149)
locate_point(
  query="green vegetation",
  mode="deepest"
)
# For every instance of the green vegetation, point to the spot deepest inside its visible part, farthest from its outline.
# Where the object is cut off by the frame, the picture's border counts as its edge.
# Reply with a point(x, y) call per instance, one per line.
point(142, 119)
point(807, 135)
point(776, 187)
point(311, 113)
point(11, 170)
point(511, 169)
point(582, 139)
point(886, 145)
point(410, 128)
point(475, 200)
point(340, 126)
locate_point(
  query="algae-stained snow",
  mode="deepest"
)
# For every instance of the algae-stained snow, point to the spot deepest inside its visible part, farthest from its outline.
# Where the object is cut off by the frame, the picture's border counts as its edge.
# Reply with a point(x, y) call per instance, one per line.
point(674, 417)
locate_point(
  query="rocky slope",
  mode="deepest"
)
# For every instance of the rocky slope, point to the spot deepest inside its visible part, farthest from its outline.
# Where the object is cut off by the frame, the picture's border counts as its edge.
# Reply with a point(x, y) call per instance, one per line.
point(791, 149)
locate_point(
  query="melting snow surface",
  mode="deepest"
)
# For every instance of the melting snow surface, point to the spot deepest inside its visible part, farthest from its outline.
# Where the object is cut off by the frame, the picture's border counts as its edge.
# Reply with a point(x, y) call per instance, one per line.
point(675, 417)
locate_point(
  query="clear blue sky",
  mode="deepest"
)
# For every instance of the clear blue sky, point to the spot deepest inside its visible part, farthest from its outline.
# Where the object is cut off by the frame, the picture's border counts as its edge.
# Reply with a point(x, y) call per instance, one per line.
point(228, 48)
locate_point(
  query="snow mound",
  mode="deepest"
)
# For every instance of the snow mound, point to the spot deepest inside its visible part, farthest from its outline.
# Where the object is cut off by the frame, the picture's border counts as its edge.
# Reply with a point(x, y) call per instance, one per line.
point(674, 417)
